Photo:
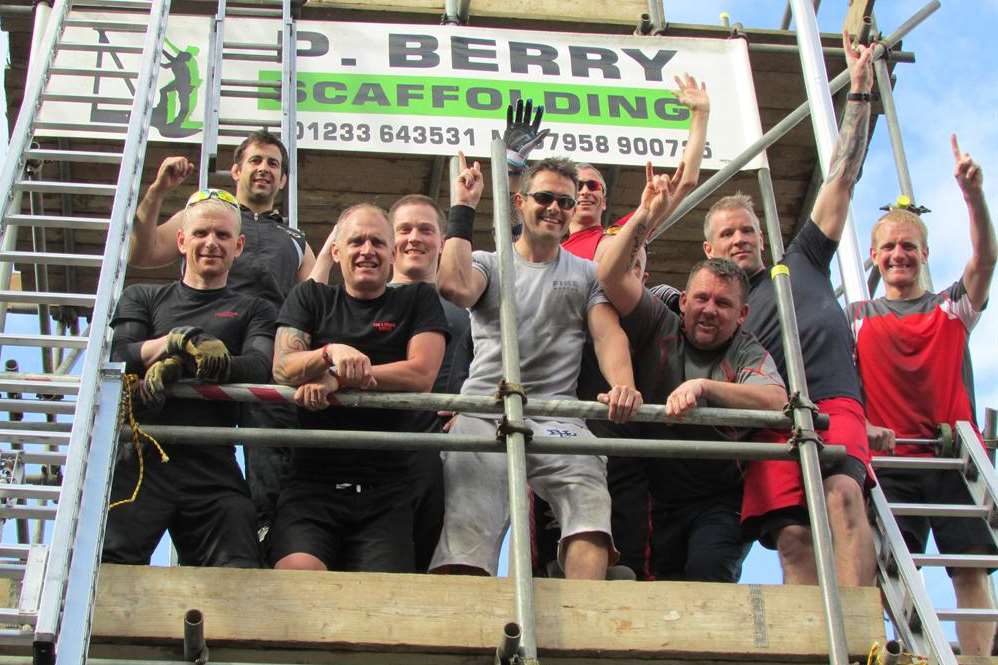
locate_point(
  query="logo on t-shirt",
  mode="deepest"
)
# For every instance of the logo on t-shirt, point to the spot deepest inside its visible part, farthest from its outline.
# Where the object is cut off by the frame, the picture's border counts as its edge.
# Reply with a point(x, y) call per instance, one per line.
point(565, 284)
point(384, 326)
point(227, 314)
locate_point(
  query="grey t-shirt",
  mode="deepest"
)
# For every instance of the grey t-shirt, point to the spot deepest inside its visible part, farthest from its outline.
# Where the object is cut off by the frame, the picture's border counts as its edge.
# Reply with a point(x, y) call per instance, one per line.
point(552, 304)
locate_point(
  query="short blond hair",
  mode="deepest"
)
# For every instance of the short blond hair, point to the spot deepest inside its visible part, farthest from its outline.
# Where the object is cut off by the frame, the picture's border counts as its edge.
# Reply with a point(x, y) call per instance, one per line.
point(736, 201)
point(352, 210)
point(192, 212)
point(900, 216)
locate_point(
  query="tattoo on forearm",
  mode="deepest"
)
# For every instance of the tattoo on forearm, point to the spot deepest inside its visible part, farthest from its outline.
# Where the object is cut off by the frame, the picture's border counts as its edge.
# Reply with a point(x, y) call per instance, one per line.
point(288, 340)
point(850, 149)
point(640, 231)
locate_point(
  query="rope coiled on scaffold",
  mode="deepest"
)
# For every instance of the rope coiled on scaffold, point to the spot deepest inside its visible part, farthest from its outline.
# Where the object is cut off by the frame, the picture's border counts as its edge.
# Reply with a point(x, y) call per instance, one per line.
point(126, 413)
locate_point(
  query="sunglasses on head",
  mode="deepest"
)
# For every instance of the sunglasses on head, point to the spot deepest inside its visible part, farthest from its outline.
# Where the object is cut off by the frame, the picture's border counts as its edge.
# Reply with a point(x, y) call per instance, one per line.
point(545, 199)
point(203, 195)
point(591, 185)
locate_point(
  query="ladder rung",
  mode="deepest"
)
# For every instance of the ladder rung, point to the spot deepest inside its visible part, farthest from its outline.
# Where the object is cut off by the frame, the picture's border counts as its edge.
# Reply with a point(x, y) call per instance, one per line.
point(97, 48)
point(52, 187)
point(89, 156)
point(956, 560)
point(106, 127)
point(12, 615)
point(254, 12)
point(113, 4)
point(967, 614)
point(38, 426)
point(249, 94)
point(17, 512)
point(938, 510)
point(26, 436)
point(250, 57)
point(59, 341)
point(68, 387)
point(60, 222)
point(46, 458)
point(236, 122)
point(251, 46)
point(53, 259)
point(92, 72)
point(45, 298)
point(15, 637)
point(13, 571)
point(15, 551)
point(250, 83)
point(86, 99)
point(110, 26)
point(917, 463)
point(37, 406)
point(45, 492)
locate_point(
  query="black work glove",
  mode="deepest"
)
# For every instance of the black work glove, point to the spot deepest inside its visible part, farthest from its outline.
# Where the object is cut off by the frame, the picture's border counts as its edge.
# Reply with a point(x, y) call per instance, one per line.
point(210, 357)
point(522, 134)
point(158, 376)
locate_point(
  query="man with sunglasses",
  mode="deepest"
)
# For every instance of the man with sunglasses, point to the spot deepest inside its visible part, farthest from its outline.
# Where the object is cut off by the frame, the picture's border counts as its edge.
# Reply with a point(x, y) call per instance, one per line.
point(275, 258)
point(201, 328)
point(555, 304)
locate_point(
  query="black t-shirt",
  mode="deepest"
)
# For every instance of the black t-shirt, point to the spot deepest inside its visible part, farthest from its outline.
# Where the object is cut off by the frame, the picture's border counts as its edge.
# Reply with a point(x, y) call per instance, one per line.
point(244, 323)
point(381, 329)
point(826, 342)
point(271, 258)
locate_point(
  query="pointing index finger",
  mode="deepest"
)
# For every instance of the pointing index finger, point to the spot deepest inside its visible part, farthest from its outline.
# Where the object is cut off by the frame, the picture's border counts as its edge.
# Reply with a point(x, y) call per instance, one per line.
point(956, 147)
point(649, 171)
point(461, 161)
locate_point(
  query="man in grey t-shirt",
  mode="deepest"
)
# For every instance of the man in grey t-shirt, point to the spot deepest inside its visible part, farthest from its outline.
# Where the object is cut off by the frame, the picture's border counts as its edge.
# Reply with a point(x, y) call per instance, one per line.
point(555, 305)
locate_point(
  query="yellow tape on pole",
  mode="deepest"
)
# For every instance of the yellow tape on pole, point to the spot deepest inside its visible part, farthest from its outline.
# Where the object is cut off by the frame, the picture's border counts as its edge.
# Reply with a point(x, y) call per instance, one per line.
point(779, 269)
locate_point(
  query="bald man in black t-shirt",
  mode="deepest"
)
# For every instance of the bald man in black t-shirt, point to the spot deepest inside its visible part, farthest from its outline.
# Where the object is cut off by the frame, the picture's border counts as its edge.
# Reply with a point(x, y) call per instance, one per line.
point(197, 328)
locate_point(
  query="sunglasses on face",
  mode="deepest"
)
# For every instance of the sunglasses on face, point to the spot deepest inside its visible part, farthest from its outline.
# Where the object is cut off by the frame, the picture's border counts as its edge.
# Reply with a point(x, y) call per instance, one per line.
point(203, 195)
point(591, 185)
point(545, 199)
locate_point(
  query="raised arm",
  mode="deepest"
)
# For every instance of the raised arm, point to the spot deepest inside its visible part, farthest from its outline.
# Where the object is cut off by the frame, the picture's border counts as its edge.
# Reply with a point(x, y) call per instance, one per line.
point(323, 263)
point(308, 262)
point(614, 356)
point(832, 203)
point(696, 99)
point(457, 280)
point(984, 249)
point(622, 287)
point(154, 244)
point(523, 134)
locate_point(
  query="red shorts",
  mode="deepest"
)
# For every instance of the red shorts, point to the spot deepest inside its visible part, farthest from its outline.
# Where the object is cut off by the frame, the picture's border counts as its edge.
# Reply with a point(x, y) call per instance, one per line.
point(772, 485)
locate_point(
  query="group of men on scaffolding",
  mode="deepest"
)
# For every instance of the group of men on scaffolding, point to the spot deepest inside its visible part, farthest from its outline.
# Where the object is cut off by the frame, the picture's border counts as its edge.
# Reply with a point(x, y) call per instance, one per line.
point(418, 310)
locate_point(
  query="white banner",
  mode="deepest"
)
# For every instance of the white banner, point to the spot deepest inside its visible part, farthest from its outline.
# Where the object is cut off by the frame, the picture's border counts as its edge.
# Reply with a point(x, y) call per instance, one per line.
point(433, 90)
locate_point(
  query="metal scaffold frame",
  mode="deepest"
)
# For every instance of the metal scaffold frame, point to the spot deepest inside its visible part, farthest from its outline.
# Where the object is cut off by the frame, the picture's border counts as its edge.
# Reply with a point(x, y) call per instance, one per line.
point(519, 641)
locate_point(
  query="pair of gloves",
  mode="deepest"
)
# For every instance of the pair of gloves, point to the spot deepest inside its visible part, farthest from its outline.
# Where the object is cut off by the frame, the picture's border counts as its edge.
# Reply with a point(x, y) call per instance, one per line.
point(188, 349)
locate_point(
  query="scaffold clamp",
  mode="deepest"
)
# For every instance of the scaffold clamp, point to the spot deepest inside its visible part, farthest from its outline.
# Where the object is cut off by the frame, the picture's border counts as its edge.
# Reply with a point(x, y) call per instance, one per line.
point(507, 427)
point(798, 401)
point(507, 388)
point(799, 436)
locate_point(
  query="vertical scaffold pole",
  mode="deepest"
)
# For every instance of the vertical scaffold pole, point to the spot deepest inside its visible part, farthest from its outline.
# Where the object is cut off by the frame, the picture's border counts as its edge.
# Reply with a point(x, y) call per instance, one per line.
point(814, 492)
point(516, 458)
point(826, 132)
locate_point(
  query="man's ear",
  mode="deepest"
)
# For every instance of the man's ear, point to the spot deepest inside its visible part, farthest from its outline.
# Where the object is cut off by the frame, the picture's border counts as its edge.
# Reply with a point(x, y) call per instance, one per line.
point(181, 238)
point(284, 181)
point(743, 314)
point(682, 301)
point(708, 249)
point(235, 170)
point(240, 245)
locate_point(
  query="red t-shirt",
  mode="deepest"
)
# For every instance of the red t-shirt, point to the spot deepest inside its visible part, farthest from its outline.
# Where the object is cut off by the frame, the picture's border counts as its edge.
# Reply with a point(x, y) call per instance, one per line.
point(914, 363)
point(583, 243)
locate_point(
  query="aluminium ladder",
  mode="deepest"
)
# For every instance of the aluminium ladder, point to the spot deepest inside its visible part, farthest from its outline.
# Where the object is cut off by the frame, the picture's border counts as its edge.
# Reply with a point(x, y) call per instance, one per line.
point(58, 579)
point(284, 91)
point(916, 620)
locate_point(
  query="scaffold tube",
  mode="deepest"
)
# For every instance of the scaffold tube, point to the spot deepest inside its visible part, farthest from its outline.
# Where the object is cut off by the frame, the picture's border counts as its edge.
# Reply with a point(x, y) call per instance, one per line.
point(349, 439)
point(484, 404)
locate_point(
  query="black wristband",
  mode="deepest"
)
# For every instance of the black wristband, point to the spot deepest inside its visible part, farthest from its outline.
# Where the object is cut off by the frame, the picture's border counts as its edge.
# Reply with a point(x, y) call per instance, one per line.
point(859, 97)
point(461, 222)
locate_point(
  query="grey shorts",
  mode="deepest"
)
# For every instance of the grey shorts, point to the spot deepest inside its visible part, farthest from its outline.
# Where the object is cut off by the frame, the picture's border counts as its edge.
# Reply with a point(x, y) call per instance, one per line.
point(476, 512)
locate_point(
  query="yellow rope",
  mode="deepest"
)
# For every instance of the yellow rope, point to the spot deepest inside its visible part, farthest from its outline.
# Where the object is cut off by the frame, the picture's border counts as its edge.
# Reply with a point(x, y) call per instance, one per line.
point(126, 413)
point(874, 650)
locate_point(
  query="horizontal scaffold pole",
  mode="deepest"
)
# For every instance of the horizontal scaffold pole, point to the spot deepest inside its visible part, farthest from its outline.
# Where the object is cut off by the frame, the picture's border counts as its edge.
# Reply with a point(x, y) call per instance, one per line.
point(482, 404)
point(308, 438)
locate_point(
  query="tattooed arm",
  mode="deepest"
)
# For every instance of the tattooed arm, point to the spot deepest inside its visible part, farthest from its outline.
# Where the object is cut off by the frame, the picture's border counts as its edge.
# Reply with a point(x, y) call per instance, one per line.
point(296, 363)
point(832, 204)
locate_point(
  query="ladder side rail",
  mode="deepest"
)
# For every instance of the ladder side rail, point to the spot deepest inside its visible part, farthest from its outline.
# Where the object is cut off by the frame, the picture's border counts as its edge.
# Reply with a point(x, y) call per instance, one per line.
point(982, 481)
point(81, 589)
point(289, 108)
point(213, 98)
point(897, 568)
point(108, 289)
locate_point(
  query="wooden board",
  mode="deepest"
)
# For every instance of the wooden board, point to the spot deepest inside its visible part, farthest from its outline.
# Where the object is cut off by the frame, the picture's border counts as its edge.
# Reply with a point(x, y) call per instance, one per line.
point(858, 10)
point(594, 11)
point(465, 615)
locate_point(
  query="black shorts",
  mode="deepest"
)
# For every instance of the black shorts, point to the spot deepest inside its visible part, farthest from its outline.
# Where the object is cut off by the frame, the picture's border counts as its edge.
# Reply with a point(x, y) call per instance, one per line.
point(427, 478)
point(954, 535)
point(267, 468)
point(352, 527)
point(764, 528)
point(698, 542)
point(202, 501)
point(627, 480)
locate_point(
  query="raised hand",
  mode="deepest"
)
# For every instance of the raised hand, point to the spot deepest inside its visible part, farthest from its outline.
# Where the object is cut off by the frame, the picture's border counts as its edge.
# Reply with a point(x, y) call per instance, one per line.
point(860, 61)
point(172, 173)
point(468, 186)
point(691, 95)
point(967, 172)
point(659, 192)
point(523, 133)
